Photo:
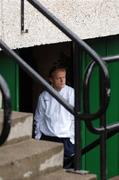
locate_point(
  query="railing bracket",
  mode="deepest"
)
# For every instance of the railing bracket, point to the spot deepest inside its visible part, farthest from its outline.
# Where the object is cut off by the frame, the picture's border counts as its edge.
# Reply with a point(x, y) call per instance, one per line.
point(22, 18)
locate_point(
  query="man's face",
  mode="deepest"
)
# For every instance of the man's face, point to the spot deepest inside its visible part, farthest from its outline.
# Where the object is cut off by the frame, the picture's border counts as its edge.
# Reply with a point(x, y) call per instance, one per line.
point(58, 79)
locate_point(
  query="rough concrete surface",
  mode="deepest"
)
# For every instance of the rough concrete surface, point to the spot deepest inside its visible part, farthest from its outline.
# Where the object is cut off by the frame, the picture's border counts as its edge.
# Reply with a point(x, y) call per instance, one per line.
point(29, 158)
point(114, 178)
point(63, 175)
point(87, 18)
point(21, 126)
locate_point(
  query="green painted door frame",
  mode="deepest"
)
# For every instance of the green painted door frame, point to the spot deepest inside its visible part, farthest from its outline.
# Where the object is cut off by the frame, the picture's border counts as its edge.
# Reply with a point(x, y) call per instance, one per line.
point(10, 71)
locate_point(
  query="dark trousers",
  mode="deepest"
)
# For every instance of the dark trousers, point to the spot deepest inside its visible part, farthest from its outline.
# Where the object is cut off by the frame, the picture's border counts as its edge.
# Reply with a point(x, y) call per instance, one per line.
point(68, 149)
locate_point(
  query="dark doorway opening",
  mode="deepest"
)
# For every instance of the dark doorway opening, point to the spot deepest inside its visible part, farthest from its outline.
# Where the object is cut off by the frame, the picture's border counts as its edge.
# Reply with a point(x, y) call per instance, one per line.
point(25, 83)
point(41, 59)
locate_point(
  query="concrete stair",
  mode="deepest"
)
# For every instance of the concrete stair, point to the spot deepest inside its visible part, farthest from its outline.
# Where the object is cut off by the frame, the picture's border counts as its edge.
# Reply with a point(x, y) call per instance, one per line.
point(64, 175)
point(23, 158)
point(114, 178)
point(21, 126)
point(28, 159)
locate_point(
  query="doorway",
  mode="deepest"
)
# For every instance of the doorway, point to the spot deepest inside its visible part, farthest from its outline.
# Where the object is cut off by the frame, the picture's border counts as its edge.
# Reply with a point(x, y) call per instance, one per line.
point(41, 59)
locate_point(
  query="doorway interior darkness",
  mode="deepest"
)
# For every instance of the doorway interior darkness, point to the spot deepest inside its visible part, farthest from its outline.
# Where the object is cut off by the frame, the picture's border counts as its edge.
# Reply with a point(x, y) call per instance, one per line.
point(41, 58)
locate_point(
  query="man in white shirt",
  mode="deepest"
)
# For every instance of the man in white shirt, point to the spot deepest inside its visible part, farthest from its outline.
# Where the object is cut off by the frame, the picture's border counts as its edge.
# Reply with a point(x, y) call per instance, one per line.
point(52, 121)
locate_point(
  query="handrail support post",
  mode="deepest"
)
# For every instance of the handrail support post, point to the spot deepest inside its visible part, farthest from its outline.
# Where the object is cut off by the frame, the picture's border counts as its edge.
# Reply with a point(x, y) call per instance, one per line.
point(77, 87)
point(22, 18)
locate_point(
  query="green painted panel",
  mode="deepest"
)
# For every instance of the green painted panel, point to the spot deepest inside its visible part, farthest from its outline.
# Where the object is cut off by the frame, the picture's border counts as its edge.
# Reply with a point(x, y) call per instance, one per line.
point(9, 70)
point(113, 110)
point(104, 46)
point(93, 157)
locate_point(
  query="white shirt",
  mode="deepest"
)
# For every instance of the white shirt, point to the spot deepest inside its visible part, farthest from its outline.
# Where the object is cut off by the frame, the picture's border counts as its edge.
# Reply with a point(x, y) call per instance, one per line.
point(51, 118)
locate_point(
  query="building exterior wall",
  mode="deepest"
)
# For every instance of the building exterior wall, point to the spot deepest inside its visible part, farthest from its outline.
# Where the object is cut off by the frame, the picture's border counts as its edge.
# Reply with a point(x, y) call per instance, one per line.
point(87, 18)
point(0, 19)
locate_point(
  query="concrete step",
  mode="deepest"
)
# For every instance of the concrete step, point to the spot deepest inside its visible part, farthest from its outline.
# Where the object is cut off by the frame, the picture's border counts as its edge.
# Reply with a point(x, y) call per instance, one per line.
point(29, 159)
point(21, 126)
point(63, 175)
point(114, 178)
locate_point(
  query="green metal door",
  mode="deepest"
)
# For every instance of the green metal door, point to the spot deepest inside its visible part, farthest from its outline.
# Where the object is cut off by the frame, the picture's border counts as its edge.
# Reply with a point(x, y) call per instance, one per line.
point(10, 71)
point(104, 46)
point(92, 158)
point(113, 110)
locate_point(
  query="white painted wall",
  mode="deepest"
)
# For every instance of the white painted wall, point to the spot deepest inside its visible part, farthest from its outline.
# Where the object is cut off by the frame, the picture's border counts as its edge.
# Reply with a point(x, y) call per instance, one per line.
point(87, 18)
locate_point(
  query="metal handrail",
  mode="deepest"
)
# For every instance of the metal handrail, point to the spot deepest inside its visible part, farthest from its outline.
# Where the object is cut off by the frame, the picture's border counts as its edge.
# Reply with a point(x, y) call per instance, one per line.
point(105, 130)
point(88, 73)
point(111, 132)
point(31, 72)
point(87, 77)
point(95, 57)
point(111, 129)
point(7, 110)
point(74, 37)
point(79, 43)
point(111, 58)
